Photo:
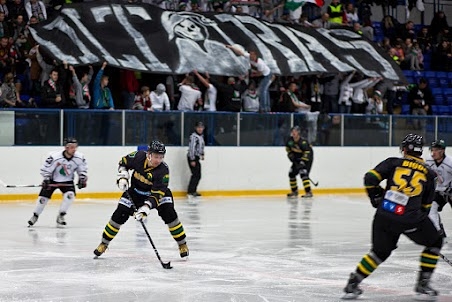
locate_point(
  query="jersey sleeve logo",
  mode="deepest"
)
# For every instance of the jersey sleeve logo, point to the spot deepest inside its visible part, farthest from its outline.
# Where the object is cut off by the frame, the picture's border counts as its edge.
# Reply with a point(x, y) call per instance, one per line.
point(166, 179)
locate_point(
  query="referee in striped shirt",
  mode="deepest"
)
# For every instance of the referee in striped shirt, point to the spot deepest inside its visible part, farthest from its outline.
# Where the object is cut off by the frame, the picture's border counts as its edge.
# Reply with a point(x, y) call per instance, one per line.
point(195, 153)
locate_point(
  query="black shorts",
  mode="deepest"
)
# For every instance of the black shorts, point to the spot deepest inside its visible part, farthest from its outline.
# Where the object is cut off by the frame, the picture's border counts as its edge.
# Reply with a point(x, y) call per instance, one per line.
point(67, 186)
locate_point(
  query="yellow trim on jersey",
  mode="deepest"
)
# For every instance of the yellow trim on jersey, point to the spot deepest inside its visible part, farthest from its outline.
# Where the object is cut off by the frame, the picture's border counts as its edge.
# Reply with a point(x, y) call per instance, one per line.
point(427, 206)
point(376, 174)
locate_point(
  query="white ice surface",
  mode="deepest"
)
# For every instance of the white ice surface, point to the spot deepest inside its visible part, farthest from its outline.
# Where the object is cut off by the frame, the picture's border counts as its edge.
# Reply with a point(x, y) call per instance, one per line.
point(241, 250)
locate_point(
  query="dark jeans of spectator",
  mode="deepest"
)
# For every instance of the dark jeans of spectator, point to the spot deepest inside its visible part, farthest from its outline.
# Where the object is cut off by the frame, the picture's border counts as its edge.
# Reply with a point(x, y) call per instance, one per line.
point(330, 104)
point(390, 96)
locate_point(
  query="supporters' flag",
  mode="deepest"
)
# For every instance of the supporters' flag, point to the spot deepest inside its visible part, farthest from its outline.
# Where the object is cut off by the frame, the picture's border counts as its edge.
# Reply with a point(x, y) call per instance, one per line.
point(143, 37)
point(294, 4)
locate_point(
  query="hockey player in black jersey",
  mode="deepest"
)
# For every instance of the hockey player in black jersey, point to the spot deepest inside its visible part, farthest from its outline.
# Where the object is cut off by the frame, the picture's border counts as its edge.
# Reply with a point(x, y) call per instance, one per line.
point(148, 190)
point(301, 155)
point(402, 208)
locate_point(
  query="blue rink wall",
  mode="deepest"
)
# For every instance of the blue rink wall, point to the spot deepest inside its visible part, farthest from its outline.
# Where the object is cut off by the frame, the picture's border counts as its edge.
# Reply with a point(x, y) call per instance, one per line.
point(226, 171)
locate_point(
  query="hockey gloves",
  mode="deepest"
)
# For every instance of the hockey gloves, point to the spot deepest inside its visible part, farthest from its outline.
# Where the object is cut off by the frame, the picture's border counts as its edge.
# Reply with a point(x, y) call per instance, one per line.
point(82, 182)
point(45, 184)
point(123, 180)
point(142, 212)
point(376, 195)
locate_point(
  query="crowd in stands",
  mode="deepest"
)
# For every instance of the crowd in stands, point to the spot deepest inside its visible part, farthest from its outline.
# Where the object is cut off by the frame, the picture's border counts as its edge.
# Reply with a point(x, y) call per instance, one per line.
point(30, 79)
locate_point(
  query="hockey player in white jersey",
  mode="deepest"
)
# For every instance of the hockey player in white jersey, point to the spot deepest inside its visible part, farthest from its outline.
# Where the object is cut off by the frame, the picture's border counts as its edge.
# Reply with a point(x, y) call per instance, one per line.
point(58, 173)
point(442, 165)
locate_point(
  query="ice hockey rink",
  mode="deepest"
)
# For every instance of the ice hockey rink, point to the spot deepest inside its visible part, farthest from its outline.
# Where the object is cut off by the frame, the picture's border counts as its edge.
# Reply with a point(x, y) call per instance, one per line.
point(246, 249)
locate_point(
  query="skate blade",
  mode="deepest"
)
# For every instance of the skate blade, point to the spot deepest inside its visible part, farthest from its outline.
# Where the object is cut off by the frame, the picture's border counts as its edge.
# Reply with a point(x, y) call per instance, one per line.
point(424, 297)
point(350, 296)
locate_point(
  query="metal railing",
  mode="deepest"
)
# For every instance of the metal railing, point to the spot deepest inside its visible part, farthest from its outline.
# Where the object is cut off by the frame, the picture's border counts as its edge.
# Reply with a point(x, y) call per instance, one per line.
point(131, 128)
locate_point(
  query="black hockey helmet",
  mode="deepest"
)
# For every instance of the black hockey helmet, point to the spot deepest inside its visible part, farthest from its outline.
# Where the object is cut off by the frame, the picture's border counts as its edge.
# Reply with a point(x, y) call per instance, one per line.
point(69, 140)
point(157, 146)
point(439, 143)
point(199, 124)
point(412, 144)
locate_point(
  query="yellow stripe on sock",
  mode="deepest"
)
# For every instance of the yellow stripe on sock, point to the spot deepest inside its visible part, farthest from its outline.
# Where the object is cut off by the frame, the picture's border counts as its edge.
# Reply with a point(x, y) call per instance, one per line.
point(108, 235)
point(363, 269)
point(431, 256)
point(370, 261)
point(428, 265)
point(175, 227)
point(112, 227)
point(179, 235)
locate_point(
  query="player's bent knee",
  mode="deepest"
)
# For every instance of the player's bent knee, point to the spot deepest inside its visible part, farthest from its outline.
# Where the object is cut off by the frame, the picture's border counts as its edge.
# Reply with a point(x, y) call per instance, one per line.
point(167, 213)
point(382, 255)
point(121, 214)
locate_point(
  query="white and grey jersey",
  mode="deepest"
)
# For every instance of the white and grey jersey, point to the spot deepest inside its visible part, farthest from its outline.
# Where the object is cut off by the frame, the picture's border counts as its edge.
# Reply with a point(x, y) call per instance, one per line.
point(61, 169)
point(443, 172)
point(195, 146)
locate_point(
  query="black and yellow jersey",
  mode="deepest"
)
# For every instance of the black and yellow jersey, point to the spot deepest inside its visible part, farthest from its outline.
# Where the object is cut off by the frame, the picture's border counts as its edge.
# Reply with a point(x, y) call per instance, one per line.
point(299, 150)
point(410, 188)
point(144, 178)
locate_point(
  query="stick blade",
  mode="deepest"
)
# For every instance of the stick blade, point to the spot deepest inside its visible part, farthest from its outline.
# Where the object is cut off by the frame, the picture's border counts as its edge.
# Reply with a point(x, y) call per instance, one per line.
point(167, 265)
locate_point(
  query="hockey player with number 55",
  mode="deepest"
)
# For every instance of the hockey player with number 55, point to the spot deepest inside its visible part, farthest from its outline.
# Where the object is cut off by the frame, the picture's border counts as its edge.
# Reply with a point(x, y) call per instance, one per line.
point(148, 190)
point(402, 208)
point(58, 173)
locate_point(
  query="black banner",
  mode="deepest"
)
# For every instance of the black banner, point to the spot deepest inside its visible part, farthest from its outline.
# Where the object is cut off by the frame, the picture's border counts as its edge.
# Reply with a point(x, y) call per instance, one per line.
point(146, 38)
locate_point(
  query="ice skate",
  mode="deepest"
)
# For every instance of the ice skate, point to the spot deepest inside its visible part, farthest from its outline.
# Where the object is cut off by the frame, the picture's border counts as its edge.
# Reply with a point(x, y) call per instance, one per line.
point(100, 250)
point(307, 195)
point(60, 219)
point(183, 250)
point(423, 290)
point(352, 290)
point(33, 220)
point(293, 194)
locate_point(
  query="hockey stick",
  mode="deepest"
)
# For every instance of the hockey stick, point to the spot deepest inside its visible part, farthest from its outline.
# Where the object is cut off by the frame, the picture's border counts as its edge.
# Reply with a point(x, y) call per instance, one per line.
point(165, 265)
point(35, 186)
point(445, 259)
point(313, 182)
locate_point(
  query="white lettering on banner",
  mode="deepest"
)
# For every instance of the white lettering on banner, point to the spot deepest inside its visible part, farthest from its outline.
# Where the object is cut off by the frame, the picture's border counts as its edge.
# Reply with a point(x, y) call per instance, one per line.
point(315, 46)
point(50, 45)
point(74, 16)
point(264, 51)
point(388, 71)
point(295, 63)
point(313, 65)
point(140, 41)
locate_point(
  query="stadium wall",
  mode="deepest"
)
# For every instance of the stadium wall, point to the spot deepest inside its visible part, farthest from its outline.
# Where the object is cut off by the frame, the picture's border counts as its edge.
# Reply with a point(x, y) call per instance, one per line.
point(226, 171)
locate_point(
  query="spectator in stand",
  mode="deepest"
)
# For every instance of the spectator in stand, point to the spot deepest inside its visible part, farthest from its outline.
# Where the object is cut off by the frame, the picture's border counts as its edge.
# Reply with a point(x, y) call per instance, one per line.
point(444, 35)
point(102, 97)
point(390, 28)
point(411, 55)
point(35, 72)
point(5, 26)
point(375, 103)
point(8, 55)
point(9, 95)
point(336, 12)
point(250, 98)
point(229, 95)
point(350, 13)
point(441, 57)
point(345, 94)
point(331, 94)
point(368, 30)
point(315, 92)
point(259, 69)
point(79, 90)
point(291, 96)
point(359, 97)
point(4, 9)
point(190, 95)
point(322, 22)
point(386, 44)
point(393, 53)
point(424, 39)
point(37, 9)
point(159, 99)
point(420, 98)
point(52, 94)
point(17, 8)
point(269, 9)
point(439, 22)
point(210, 99)
point(143, 101)
point(129, 87)
point(407, 31)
